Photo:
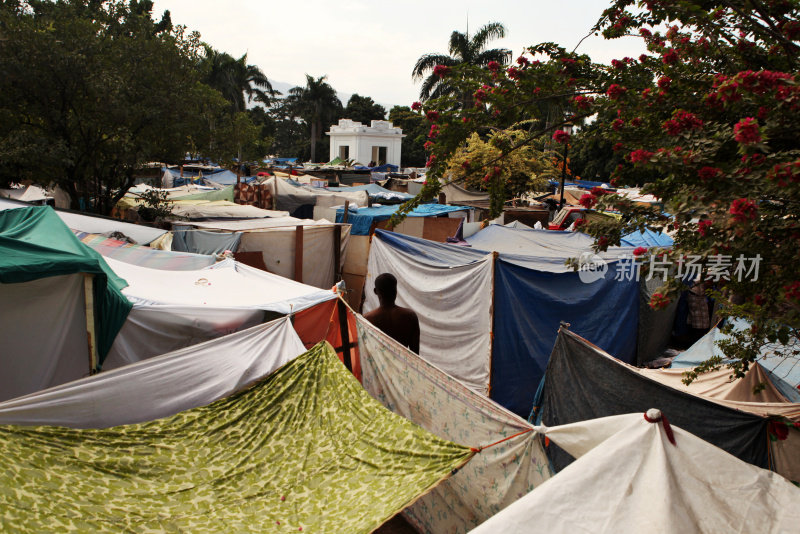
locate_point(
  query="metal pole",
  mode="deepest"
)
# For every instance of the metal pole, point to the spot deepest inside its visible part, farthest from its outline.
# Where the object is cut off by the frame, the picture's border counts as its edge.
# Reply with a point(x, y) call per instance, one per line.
point(563, 176)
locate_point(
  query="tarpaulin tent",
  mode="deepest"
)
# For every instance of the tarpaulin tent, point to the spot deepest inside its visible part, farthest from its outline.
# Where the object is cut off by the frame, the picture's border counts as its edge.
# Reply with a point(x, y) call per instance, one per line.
point(362, 219)
point(144, 256)
point(292, 196)
point(161, 386)
point(56, 295)
point(778, 362)
point(176, 309)
point(173, 178)
point(376, 193)
point(188, 239)
point(497, 328)
point(300, 249)
point(583, 382)
point(511, 461)
point(647, 238)
point(306, 448)
point(632, 476)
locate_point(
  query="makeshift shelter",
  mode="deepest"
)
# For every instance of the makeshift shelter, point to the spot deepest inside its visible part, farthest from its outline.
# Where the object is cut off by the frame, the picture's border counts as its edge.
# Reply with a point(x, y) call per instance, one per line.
point(583, 382)
point(161, 386)
point(62, 306)
point(299, 199)
point(510, 461)
point(307, 251)
point(144, 256)
point(490, 319)
point(634, 474)
point(304, 448)
point(363, 219)
point(376, 193)
point(175, 177)
point(27, 193)
point(176, 309)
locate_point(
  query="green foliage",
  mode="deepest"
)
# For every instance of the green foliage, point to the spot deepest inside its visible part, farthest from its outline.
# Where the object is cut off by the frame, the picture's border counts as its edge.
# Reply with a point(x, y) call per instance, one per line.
point(416, 130)
point(318, 107)
point(91, 90)
point(237, 81)
point(154, 204)
point(363, 109)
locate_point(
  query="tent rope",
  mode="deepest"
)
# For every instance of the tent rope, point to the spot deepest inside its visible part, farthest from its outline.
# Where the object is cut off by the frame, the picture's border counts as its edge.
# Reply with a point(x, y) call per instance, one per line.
point(479, 449)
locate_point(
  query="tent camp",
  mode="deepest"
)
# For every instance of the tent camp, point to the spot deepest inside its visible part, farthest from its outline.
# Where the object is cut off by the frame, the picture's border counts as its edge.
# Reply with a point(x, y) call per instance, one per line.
point(363, 219)
point(583, 382)
point(490, 319)
point(176, 309)
point(145, 256)
point(310, 202)
point(172, 177)
point(633, 475)
point(301, 450)
point(62, 306)
point(304, 250)
point(510, 461)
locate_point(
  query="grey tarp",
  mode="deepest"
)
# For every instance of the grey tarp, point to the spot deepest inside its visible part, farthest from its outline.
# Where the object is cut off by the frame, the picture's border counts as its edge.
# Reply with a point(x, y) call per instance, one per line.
point(655, 326)
point(582, 382)
point(188, 239)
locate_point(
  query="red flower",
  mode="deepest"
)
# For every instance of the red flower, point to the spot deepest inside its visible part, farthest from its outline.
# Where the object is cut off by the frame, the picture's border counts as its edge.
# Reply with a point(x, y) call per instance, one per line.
point(792, 291)
point(617, 147)
point(743, 210)
point(644, 32)
point(493, 66)
point(599, 191)
point(664, 82)
point(641, 156)
point(560, 136)
point(759, 300)
point(670, 56)
point(428, 145)
point(582, 102)
point(615, 91)
point(703, 226)
point(638, 251)
point(431, 160)
point(434, 131)
point(602, 242)
point(513, 73)
point(779, 429)
point(465, 119)
point(643, 58)
point(708, 173)
point(617, 64)
point(465, 164)
point(588, 201)
point(658, 301)
point(579, 223)
point(432, 115)
point(522, 60)
point(784, 173)
point(747, 132)
point(682, 120)
point(441, 70)
point(617, 124)
point(636, 122)
point(479, 95)
point(416, 106)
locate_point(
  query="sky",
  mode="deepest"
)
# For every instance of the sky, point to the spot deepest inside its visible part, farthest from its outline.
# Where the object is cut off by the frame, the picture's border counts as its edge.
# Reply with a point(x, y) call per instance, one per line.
point(369, 47)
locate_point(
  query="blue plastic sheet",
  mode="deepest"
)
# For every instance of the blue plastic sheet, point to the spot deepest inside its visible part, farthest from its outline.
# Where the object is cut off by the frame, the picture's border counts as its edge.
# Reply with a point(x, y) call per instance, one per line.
point(362, 219)
point(647, 238)
point(529, 307)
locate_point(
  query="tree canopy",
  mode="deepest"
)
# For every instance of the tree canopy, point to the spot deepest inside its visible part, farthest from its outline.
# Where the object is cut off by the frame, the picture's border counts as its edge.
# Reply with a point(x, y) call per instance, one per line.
point(708, 117)
point(317, 105)
point(363, 109)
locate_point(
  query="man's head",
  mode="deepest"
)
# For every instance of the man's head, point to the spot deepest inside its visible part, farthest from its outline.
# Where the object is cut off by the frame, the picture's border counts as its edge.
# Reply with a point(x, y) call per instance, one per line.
point(386, 288)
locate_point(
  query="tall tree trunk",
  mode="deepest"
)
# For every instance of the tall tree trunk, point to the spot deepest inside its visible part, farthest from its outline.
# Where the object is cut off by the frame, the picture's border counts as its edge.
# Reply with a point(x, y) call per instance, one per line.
point(313, 141)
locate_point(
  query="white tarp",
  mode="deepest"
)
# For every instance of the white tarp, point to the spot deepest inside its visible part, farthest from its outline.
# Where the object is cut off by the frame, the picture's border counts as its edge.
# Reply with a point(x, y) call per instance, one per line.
point(176, 309)
point(141, 235)
point(254, 224)
point(161, 386)
point(629, 478)
point(29, 193)
point(453, 304)
point(495, 477)
point(202, 209)
point(43, 334)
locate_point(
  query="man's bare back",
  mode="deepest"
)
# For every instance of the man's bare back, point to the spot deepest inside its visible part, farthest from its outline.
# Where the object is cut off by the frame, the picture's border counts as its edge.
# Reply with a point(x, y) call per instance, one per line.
point(401, 324)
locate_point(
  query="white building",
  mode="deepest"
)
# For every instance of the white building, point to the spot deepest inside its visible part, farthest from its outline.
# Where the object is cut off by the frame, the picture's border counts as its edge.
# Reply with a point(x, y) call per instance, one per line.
point(378, 143)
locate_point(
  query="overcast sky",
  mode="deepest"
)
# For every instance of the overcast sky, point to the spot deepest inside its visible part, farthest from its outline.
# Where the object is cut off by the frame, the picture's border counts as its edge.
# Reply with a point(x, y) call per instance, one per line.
point(369, 47)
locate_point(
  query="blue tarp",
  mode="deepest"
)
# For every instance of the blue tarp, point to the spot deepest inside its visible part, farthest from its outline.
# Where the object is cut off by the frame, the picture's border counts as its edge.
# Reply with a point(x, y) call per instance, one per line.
point(530, 303)
point(583, 184)
point(363, 218)
point(647, 238)
point(784, 371)
point(529, 306)
point(386, 167)
point(219, 176)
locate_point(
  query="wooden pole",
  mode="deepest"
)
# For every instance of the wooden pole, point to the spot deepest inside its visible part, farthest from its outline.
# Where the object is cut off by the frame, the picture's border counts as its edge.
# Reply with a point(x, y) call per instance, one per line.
point(337, 253)
point(345, 332)
point(298, 253)
point(492, 323)
point(91, 333)
point(346, 211)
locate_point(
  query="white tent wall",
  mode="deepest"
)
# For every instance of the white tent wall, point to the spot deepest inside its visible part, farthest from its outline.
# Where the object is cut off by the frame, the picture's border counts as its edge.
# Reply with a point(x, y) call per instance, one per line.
point(454, 309)
point(278, 246)
point(161, 386)
point(43, 333)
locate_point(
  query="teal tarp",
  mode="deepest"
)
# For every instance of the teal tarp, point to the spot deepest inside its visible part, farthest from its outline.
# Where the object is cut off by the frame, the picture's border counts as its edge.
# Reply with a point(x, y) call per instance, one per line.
point(35, 243)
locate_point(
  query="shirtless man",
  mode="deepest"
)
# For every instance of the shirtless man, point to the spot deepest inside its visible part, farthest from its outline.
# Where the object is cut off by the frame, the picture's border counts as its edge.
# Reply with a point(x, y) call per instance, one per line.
point(399, 323)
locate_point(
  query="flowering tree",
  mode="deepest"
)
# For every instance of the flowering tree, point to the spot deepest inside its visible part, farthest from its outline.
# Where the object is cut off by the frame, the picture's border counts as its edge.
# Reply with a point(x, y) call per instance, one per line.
point(710, 114)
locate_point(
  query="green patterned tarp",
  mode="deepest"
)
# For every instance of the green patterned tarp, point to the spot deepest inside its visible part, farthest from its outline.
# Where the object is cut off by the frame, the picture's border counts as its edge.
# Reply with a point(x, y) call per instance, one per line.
point(306, 449)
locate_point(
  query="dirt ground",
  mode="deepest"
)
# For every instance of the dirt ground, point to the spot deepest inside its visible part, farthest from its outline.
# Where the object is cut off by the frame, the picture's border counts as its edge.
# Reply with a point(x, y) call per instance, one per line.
point(396, 525)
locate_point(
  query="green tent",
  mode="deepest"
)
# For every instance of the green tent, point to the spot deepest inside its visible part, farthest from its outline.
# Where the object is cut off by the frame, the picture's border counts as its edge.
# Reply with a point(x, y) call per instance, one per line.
point(306, 449)
point(35, 243)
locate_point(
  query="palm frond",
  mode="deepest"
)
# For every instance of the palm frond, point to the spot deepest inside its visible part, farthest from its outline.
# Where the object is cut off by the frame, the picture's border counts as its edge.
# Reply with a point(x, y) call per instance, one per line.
point(427, 62)
point(487, 32)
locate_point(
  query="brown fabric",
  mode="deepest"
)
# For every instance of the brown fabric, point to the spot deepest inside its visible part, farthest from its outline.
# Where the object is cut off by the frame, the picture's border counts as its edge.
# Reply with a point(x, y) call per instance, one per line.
point(259, 195)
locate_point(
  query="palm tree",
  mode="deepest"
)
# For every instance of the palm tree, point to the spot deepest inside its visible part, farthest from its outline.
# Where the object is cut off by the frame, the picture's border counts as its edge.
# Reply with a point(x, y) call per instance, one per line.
point(316, 104)
point(238, 82)
point(463, 50)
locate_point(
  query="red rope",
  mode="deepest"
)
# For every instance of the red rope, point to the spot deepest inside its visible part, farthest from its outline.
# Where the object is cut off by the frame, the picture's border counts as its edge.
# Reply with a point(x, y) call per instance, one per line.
point(479, 449)
point(663, 420)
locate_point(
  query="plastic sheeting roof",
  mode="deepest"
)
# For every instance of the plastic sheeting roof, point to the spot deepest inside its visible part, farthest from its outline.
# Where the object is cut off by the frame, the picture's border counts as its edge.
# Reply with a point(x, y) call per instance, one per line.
point(647, 238)
point(629, 477)
point(374, 191)
point(543, 250)
point(363, 218)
